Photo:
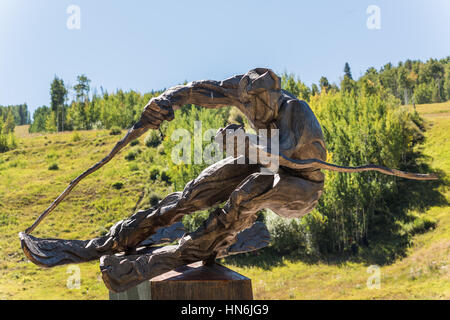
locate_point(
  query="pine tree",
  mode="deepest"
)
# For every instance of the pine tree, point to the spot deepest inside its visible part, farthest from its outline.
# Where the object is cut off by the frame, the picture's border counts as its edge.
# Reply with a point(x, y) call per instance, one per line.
point(82, 88)
point(58, 95)
point(324, 84)
point(347, 71)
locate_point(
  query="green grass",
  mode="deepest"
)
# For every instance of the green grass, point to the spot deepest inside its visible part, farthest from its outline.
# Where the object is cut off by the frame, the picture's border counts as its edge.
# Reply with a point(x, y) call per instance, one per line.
point(433, 108)
point(27, 187)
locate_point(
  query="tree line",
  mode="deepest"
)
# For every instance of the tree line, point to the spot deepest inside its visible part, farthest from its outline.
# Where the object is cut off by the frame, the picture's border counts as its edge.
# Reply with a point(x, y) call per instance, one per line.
point(412, 81)
point(18, 114)
point(88, 111)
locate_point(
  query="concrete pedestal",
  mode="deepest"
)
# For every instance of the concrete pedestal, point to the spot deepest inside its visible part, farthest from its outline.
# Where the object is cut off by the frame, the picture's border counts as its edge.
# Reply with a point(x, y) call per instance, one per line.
point(192, 282)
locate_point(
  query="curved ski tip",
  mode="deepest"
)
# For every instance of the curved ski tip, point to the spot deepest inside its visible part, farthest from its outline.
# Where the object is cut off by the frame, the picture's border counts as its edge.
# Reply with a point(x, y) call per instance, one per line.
point(23, 236)
point(28, 253)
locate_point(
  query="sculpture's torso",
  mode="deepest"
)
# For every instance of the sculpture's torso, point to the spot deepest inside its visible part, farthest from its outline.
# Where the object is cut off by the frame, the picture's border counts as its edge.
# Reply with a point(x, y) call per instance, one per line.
point(296, 118)
point(300, 134)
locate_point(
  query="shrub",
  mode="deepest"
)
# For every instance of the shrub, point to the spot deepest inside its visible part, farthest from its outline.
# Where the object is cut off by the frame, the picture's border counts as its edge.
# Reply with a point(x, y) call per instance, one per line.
point(287, 235)
point(117, 185)
point(154, 173)
point(53, 166)
point(132, 154)
point(52, 155)
point(153, 139)
point(315, 226)
point(76, 137)
point(134, 142)
point(115, 131)
point(165, 176)
point(421, 225)
point(154, 199)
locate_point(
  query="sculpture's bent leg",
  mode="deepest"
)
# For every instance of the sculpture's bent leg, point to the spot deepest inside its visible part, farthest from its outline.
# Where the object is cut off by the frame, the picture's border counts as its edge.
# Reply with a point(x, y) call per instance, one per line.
point(213, 186)
point(290, 196)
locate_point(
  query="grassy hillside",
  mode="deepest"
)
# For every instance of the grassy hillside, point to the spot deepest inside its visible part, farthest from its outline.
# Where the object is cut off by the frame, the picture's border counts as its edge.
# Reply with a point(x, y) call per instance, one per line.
point(28, 186)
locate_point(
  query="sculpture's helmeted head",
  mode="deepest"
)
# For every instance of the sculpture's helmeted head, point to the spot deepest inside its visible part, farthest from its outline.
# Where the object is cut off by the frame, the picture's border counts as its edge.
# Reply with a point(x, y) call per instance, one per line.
point(260, 93)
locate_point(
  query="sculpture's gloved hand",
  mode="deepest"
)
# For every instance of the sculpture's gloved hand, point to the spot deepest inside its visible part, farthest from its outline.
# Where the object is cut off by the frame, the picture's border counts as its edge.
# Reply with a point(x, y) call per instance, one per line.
point(156, 111)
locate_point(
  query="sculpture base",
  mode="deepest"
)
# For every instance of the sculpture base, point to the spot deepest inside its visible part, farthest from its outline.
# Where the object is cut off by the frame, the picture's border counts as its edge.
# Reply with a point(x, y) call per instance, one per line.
point(192, 282)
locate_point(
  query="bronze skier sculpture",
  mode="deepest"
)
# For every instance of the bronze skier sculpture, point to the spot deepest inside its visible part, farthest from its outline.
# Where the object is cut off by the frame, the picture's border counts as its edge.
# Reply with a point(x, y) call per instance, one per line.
point(293, 191)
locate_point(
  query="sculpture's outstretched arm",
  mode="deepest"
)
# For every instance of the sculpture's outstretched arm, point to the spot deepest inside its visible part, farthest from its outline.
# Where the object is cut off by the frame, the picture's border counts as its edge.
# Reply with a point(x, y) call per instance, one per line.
point(205, 93)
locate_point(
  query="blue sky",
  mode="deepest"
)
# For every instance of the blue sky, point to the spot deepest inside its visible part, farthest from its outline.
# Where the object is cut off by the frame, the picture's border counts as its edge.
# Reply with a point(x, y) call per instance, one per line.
point(145, 45)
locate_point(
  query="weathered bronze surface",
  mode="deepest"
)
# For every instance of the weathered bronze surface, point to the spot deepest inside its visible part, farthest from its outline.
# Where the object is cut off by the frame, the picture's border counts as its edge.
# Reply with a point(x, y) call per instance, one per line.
point(128, 256)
